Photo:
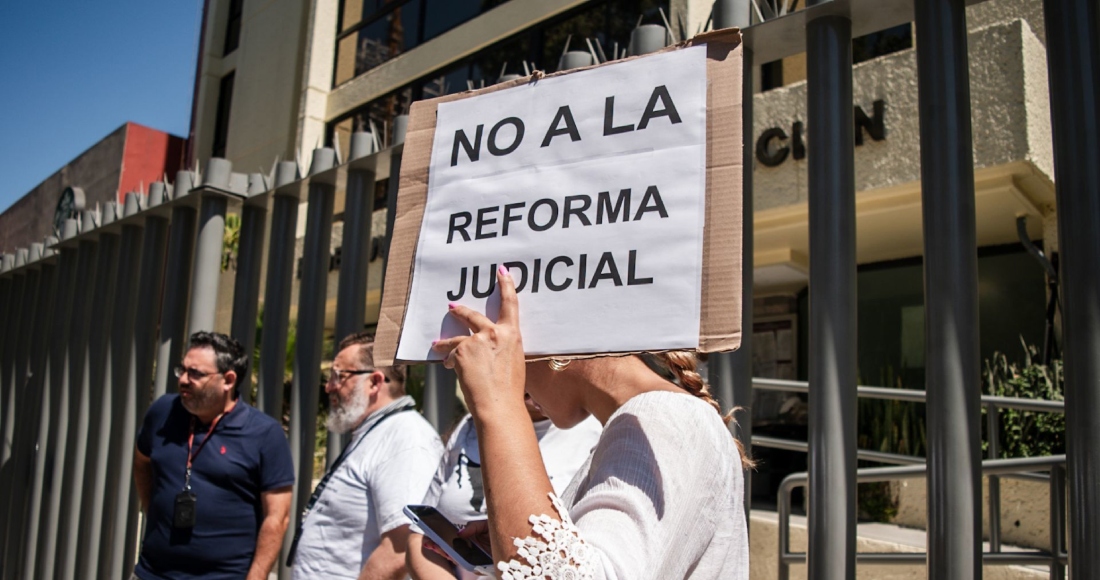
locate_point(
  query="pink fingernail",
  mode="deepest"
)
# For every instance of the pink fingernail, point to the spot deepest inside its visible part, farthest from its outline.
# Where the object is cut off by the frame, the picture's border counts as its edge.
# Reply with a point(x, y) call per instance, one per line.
point(452, 305)
point(504, 271)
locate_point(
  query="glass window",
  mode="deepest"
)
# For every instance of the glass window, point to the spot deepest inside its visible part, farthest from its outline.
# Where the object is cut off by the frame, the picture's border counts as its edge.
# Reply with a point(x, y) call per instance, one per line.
point(379, 41)
point(882, 43)
point(221, 119)
point(233, 26)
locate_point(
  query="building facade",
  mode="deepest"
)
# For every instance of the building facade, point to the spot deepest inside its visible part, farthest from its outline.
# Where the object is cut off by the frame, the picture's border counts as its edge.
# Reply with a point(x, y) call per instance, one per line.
point(278, 78)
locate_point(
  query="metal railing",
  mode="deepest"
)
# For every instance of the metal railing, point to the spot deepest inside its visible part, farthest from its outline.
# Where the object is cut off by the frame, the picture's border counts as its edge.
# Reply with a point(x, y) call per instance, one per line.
point(911, 467)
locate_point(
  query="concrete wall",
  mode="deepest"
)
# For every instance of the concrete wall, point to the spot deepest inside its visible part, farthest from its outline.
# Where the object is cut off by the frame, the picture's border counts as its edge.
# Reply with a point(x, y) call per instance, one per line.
point(269, 71)
point(96, 171)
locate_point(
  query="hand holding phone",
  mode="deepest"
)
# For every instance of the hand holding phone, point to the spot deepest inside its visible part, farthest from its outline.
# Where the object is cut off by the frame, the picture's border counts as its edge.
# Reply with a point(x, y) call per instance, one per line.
point(440, 530)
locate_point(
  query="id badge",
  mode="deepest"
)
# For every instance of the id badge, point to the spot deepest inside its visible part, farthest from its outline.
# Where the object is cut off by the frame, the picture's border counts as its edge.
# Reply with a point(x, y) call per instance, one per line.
point(183, 516)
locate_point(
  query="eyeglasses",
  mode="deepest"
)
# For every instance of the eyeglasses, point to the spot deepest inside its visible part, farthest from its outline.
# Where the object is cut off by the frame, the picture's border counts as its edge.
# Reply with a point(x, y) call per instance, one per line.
point(193, 375)
point(339, 376)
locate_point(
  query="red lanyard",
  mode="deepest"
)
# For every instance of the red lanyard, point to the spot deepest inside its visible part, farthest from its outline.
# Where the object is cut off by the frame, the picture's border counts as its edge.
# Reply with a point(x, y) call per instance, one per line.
point(191, 442)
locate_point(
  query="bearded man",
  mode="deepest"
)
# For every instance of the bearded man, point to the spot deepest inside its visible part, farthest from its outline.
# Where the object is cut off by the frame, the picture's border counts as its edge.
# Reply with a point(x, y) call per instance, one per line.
point(354, 526)
point(214, 475)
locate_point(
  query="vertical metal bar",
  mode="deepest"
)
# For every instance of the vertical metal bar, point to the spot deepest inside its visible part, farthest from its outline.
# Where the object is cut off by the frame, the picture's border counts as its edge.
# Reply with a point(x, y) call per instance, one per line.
point(11, 379)
point(177, 281)
point(208, 248)
point(119, 448)
point(994, 417)
point(12, 481)
point(250, 253)
point(351, 291)
point(277, 289)
point(100, 415)
point(84, 304)
point(439, 396)
point(832, 217)
point(310, 333)
point(952, 373)
point(734, 376)
point(139, 382)
point(784, 532)
point(41, 427)
point(59, 406)
point(1057, 521)
point(1073, 62)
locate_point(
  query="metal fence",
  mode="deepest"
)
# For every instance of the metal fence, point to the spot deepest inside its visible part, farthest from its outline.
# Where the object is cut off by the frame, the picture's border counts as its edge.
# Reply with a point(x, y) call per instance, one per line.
point(915, 467)
point(91, 323)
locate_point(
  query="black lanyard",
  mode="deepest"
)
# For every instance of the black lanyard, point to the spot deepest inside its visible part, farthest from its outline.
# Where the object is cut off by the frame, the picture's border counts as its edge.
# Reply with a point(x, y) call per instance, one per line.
point(332, 470)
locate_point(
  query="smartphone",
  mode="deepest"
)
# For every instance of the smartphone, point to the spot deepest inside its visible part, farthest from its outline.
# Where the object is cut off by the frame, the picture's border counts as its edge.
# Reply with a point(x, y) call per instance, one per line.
point(445, 534)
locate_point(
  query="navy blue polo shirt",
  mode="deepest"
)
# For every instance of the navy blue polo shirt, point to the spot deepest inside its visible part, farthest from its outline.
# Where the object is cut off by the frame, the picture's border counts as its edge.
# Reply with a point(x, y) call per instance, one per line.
point(247, 454)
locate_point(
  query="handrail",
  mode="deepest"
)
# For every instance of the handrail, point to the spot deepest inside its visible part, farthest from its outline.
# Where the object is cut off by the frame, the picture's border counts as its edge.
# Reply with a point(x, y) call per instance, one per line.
point(913, 466)
point(914, 395)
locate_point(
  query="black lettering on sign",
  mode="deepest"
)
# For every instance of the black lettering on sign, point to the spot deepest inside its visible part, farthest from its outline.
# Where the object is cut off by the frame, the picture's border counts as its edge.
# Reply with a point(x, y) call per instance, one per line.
point(554, 287)
point(584, 201)
point(553, 205)
point(876, 126)
point(459, 227)
point(492, 144)
point(482, 221)
point(651, 112)
point(651, 201)
point(609, 127)
point(509, 218)
point(473, 151)
point(522, 271)
point(570, 128)
point(622, 205)
point(631, 267)
point(492, 282)
point(451, 295)
point(606, 270)
point(765, 154)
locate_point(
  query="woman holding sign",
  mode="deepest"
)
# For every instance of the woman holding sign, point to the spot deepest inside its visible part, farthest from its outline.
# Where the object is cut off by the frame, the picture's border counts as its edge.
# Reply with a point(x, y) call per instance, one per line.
point(661, 495)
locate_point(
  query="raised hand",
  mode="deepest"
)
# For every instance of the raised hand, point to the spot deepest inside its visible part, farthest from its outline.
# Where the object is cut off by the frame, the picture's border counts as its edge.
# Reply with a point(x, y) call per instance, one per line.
point(489, 362)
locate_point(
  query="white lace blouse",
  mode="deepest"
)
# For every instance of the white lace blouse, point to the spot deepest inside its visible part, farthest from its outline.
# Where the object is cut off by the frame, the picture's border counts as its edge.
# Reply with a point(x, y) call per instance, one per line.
point(660, 498)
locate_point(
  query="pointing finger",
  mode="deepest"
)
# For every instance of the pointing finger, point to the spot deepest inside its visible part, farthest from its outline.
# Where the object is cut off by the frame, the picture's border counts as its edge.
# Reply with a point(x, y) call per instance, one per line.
point(509, 303)
point(471, 318)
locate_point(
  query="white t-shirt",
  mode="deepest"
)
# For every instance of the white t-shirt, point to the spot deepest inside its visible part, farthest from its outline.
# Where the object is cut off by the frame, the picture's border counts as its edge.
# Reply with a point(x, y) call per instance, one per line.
point(457, 490)
point(391, 468)
point(662, 495)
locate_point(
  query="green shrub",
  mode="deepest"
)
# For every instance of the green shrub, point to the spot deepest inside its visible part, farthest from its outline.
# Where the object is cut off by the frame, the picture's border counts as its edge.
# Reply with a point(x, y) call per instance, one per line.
point(1026, 433)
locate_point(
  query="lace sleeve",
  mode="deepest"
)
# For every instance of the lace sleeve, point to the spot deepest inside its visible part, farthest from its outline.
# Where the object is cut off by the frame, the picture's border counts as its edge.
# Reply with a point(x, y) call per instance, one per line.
point(556, 552)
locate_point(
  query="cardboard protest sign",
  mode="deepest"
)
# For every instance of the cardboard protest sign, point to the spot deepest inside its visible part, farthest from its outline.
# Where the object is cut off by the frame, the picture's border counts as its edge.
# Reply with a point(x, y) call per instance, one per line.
point(612, 194)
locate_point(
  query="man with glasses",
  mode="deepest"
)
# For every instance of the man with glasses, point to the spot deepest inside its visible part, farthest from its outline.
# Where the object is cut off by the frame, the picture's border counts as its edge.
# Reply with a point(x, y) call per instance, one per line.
point(354, 526)
point(213, 474)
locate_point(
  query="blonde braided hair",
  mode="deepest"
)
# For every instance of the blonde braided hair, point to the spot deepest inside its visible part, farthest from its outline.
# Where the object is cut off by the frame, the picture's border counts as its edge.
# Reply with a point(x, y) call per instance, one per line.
point(680, 367)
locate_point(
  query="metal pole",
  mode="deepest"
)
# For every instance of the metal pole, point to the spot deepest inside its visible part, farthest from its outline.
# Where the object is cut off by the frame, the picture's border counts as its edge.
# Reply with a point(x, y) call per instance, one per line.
point(100, 402)
point(58, 370)
point(1073, 62)
point(439, 396)
point(351, 291)
point(311, 321)
point(88, 268)
point(208, 249)
point(139, 382)
point(119, 450)
point(40, 428)
point(733, 378)
point(1057, 520)
point(12, 482)
point(250, 254)
point(832, 217)
point(280, 279)
point(993, 414)
point(177, 281)
point(952, 372)
point(10, 380)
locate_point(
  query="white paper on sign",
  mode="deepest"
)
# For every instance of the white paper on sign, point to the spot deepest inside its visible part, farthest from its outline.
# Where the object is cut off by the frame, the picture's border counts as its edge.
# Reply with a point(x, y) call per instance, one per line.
point(590, 187)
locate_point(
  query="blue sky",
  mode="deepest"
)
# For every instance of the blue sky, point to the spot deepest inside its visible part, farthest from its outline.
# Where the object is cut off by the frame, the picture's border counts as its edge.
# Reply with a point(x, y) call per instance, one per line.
point(74, 70)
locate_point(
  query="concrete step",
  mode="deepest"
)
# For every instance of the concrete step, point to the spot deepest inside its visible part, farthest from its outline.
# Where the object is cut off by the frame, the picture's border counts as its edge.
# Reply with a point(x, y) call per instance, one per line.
point(871, 537)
